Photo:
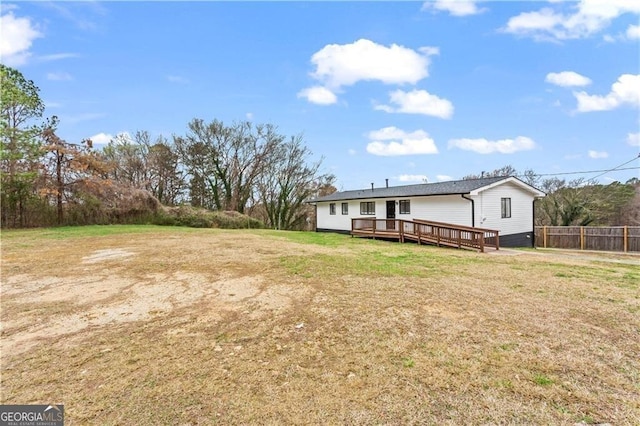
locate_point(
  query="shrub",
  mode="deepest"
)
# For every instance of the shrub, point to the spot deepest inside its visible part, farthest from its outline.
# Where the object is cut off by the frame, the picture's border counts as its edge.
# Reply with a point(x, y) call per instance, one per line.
point(202, 218)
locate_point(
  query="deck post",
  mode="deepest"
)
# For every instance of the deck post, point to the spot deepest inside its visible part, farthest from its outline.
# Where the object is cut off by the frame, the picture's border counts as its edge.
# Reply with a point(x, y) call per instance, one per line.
point(482, 242)
point(401, 230)
point(417, 233)
point(497, 240)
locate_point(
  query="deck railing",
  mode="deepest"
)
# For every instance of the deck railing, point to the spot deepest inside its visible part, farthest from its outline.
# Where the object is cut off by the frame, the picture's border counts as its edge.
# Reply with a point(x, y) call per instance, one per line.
point(426, 232)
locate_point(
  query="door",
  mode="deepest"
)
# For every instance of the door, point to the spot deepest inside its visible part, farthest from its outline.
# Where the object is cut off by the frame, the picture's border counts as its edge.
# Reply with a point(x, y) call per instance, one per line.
point(391, 214)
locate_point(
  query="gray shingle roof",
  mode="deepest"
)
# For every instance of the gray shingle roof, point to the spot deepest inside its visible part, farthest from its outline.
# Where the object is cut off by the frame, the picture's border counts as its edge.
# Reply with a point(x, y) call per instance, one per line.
point(423, 189)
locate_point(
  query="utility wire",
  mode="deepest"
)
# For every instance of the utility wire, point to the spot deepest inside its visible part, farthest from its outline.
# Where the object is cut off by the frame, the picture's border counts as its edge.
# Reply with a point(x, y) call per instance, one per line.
point(602, 172)
point(617, 167)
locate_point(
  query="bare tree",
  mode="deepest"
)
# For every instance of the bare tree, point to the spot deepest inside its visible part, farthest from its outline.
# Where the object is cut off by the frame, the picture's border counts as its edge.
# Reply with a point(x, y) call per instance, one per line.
point(143, 164)
point(287, 182)
point(507, 170)
point(227, 159)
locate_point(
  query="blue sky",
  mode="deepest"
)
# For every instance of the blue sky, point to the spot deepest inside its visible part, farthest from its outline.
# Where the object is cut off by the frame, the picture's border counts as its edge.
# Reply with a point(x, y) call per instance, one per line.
point(401, 90)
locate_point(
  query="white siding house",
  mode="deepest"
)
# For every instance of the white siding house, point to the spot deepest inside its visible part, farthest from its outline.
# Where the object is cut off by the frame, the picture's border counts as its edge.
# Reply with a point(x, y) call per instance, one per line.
point(501, 203)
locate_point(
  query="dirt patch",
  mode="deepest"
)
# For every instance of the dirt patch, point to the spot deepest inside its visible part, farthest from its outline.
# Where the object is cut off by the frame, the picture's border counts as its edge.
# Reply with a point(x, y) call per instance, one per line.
point(108, 300)
point(106, 255)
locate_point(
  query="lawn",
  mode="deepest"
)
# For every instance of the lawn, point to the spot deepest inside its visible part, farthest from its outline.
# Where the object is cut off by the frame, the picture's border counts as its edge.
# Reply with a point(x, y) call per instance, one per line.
point(159, 325)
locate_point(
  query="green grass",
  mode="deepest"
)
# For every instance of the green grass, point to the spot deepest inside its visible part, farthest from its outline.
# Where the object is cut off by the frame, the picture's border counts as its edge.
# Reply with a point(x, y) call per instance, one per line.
point(542, 380)
point(393, 333)
point(65, 232)
point(370, 264)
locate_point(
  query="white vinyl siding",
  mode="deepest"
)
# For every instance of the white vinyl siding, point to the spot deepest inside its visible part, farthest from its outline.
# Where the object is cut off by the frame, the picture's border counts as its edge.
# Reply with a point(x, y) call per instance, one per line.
point(442, 208)
point(447, 208)
point(489, 211)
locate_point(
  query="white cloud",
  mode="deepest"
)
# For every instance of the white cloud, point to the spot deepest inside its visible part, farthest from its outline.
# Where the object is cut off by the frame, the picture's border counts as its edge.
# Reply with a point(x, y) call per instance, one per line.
point(59, 76)
point(249, 116)
point(105, 138)
point(177, 79)
point(101, 139)
point(352, 152)
point(339, 65)
point(567, 79)
point(413, 178)
point(85, 116)
point(503, 146)
point(624, 91)
point(418, 102)
point(454, 7)
point(56, 57)
point(318, 95)
point(633, 32)
point(443, 178)
point(391, 141)
point(18, 35)
point(633, 139)
point(586, 18)
point(597, 154)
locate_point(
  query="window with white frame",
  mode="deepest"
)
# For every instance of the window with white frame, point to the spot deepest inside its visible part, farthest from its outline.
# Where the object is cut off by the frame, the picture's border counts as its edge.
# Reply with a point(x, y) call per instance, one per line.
point(368, 207)
point(332, 208)
point(345, 208)
point(405, 207)
point(505, 208)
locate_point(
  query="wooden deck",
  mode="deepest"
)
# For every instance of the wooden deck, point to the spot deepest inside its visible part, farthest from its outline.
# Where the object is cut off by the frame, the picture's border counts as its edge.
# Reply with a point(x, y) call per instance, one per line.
point(426, 232)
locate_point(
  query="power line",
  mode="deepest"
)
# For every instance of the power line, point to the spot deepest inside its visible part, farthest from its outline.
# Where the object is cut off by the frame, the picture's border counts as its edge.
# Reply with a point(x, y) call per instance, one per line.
point(617, 167)
point(602, 172)
point(585, 172)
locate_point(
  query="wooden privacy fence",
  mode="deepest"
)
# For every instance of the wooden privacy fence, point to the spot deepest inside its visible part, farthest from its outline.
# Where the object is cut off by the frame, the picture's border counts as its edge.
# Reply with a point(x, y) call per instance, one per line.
point(610, 238)
point(426, 232)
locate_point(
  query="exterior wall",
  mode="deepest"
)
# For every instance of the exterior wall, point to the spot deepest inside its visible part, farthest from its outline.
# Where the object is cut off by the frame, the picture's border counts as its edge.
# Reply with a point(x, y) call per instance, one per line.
point(488, 209)
point(524, 239)
point(450, 209)
point(440, 208)
point(340, 222)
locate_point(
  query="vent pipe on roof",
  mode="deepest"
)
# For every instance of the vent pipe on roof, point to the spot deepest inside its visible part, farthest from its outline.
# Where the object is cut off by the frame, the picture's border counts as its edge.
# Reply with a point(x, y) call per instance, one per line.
point(387, 182)
point(371, 186)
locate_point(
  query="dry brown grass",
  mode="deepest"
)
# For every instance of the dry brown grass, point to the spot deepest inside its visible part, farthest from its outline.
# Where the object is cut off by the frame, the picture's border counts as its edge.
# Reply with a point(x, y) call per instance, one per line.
point(181, 326)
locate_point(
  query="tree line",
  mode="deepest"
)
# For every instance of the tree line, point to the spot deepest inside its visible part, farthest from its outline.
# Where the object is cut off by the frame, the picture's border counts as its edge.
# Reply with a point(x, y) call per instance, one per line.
point(241, 167)
point(579, 202)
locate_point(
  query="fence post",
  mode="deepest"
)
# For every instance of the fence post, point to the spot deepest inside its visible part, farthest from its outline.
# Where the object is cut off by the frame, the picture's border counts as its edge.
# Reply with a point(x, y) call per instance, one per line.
point(626, 238)
point(582, 238)
point(544, 236)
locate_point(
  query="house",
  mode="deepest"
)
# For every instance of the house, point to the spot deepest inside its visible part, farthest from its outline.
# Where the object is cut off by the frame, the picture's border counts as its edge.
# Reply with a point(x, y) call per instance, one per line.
point(501, 203)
